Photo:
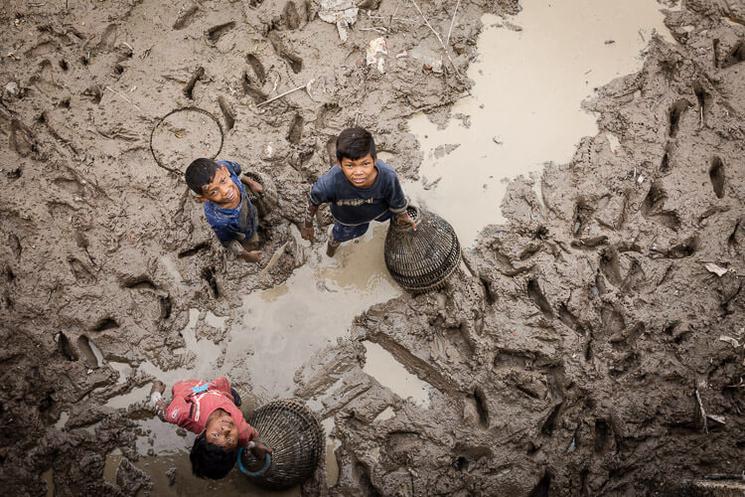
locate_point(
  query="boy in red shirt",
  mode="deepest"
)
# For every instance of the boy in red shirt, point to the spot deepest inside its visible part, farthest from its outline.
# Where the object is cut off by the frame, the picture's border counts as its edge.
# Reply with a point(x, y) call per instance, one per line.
point(211, 411)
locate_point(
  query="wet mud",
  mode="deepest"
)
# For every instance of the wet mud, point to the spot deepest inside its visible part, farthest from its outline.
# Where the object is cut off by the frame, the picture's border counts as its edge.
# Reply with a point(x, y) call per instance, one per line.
point(590, 344)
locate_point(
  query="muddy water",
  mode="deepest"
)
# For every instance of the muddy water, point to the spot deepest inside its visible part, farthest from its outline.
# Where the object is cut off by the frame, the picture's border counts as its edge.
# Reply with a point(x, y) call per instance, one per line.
point(533, 72)
point(381, 365)
point(282, 327)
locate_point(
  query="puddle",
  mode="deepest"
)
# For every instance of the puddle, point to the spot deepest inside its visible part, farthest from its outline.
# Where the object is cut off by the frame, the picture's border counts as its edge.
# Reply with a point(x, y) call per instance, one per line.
point(387, 413)
point(185, 484)
point(282, 327)
point(48, 477)
point(124, 369)
point(525, 104)
point(137, 394)
point(62, 421)
point(332, 443)
point(381, 365)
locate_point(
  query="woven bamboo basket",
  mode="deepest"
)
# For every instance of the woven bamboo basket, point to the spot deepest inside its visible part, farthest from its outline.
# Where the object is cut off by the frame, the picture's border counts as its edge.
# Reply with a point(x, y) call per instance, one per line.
point(424, 259)
point(296, 438)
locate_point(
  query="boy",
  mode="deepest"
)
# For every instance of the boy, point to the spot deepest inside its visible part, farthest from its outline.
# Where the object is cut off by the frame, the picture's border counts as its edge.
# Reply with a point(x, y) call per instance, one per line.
point(211, 411)
point(360, 188)
point(226, 204)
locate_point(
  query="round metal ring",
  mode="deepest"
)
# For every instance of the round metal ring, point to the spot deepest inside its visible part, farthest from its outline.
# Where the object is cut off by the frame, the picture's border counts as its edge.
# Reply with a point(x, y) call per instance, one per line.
point(185, 109)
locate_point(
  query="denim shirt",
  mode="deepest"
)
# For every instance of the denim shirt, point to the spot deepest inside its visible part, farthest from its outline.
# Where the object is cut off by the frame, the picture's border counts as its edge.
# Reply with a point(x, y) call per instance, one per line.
point(232, 224)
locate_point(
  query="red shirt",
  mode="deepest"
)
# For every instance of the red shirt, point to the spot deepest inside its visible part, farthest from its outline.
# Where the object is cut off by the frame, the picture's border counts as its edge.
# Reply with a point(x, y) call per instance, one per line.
point(190, 410)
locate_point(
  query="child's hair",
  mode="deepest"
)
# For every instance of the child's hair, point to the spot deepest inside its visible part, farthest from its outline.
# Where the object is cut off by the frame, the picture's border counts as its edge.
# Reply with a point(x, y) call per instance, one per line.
point(200, 173)
point(210, 460)
point(353, 143)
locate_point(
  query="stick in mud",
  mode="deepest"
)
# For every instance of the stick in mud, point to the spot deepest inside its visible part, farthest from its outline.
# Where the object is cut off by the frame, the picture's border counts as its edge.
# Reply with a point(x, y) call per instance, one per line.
point(305, 87)
point(189, 88)
point(437, 35)
point(703, 412)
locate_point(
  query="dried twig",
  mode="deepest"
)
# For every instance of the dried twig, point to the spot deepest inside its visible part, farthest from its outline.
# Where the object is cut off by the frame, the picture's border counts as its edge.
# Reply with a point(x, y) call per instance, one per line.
point(439, 38)
point(703, 411)
point(305, 87)
point(123, 97)
point(452, 21)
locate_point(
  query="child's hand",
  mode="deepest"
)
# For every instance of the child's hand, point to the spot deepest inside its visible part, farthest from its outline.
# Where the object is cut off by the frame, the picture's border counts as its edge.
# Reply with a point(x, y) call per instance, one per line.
point(251, 256)
point(404, 218)
point(260, 450)
point(253, 185)
point(306, 231)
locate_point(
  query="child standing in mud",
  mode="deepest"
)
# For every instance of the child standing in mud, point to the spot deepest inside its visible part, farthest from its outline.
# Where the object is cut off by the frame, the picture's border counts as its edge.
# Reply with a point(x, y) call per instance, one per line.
point(227, 207)
point(360, 189)
point(211, 411)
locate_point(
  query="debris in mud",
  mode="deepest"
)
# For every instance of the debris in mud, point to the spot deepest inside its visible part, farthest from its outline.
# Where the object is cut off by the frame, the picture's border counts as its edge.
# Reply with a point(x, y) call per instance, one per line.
point(343, 13)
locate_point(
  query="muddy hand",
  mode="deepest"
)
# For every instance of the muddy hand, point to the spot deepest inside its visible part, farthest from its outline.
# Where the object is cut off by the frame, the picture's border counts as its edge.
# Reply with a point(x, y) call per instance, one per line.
point(260, 451)
point(404, 218)
point(251, 255)
point(254, 185)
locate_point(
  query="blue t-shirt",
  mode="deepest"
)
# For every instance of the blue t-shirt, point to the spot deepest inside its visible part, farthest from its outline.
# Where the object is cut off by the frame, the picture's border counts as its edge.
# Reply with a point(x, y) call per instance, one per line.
point(232, 224)
point(353, 206)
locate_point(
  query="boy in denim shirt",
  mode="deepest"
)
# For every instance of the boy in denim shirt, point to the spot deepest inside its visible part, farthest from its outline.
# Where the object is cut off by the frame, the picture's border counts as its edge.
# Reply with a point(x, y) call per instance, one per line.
point(227, 207)
point(360, 188)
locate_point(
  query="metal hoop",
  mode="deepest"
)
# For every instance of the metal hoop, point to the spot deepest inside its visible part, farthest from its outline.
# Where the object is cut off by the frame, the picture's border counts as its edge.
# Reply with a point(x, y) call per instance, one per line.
point(185, 109)
point(254, 474)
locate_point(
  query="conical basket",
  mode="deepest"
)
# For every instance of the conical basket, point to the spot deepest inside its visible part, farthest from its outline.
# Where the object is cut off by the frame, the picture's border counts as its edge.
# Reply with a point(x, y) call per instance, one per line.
point(296, 437)
point(421, 260)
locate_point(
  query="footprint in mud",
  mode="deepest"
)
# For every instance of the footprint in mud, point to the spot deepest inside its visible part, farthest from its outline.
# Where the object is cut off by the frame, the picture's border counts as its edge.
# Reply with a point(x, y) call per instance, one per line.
point(290, 15)
point(652, 207)
point(582, 213)
point(610, 266)
point(478, 399)
point(227, 112)
point(65, 347)
point(141, 282)
point(733, 240)
point(194, 250)
point(685, 249)
point(543, 487)
point(106, 323)
point(81, 271)
point(295, 133)
point(613, 322)
point(257, 67)
point(602, 434)
point(216, 32)
point(717, 176)
point(704, 99)
point(676, 114)
point(91, 354)
point(294, 60)
point(208, 275)
point(253, 89)
point(186, 18)
point(166, 306)
point(21, 139)
point(108, 40)
point(536, 295)
point(95, 93)
point(735, 55)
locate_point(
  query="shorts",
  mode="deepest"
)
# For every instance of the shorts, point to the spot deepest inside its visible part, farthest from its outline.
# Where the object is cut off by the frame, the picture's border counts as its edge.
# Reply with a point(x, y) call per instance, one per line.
point(343, 233)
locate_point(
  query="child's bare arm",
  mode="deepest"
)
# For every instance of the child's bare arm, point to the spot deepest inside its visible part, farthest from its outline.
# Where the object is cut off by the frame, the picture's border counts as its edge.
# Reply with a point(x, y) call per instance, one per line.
point(252, 184)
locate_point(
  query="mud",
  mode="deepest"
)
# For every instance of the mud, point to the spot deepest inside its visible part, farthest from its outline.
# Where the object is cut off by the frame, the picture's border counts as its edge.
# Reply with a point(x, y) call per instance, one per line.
point(586, 347)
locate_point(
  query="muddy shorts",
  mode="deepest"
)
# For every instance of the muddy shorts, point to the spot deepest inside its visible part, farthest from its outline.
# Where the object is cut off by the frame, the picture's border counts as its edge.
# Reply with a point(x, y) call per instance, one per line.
point(343, 233)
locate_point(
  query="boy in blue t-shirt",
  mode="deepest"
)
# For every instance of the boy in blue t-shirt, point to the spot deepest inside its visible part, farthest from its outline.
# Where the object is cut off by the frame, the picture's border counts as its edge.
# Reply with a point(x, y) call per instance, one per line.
point(226, 204)
point(360, 189)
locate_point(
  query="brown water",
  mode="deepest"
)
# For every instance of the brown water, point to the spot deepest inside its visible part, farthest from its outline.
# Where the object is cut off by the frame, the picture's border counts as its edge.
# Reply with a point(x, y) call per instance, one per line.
point(532, 74)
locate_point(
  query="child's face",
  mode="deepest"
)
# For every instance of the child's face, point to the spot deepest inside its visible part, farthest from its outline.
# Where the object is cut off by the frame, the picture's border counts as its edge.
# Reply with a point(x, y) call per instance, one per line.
point(222, 190)
point(221, 430)
point(360, 172)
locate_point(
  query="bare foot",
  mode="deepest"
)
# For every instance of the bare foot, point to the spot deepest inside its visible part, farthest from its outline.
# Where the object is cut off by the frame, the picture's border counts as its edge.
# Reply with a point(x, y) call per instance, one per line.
point(251, 256)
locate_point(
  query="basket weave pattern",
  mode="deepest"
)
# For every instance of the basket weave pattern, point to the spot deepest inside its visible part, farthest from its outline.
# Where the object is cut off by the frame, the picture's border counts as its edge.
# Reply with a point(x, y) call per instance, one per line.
point(422, 260)
point(296, 437)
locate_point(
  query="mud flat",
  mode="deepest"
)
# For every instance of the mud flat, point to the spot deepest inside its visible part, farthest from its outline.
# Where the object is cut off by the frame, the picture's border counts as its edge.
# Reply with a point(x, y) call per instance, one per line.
point(591, 346)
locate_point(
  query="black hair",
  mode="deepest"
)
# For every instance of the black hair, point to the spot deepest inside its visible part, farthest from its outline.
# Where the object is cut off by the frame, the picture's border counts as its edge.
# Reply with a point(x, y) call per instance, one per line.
point(210, 460)
point(200, 173)
point(353, 143)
